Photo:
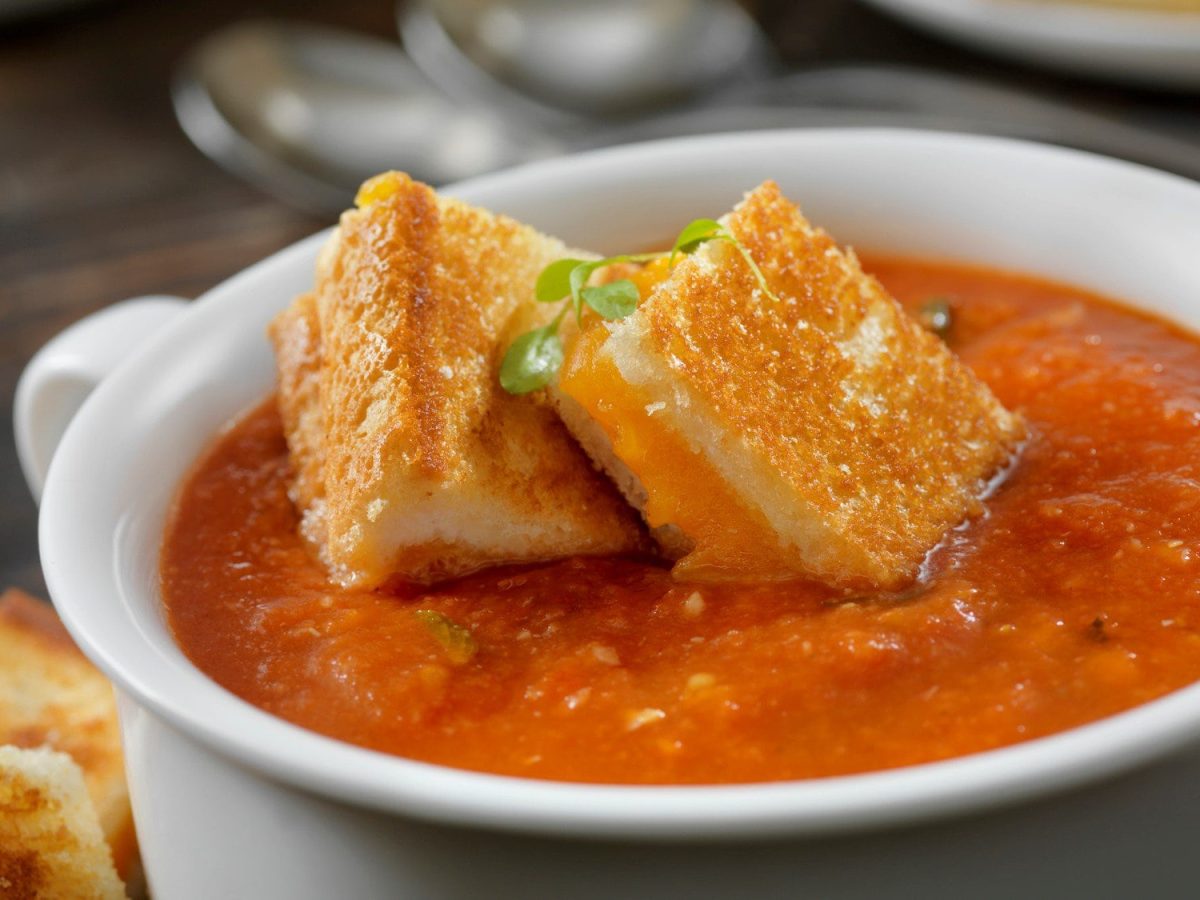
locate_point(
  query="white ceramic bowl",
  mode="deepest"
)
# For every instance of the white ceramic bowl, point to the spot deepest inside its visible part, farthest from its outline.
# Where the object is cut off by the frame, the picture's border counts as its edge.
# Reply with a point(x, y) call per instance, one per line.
point(1128, 45)
point(231, 801)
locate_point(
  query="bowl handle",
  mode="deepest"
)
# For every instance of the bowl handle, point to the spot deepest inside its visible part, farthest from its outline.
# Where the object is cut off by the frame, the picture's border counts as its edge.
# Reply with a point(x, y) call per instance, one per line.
point(62, 374)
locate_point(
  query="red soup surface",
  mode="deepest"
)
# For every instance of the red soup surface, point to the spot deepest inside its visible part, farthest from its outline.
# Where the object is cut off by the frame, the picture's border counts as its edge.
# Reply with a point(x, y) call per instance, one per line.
point(1075, 596)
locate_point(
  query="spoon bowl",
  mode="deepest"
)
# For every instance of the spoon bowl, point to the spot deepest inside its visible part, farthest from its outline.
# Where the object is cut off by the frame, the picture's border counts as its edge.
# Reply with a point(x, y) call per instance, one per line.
point(559, 61)
point(307, 112)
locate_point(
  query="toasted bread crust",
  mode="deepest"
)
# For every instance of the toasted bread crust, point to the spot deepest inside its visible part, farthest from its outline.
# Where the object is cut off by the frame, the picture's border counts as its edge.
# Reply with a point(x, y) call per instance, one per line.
point(857, 434)
point(296, 336)
point(430, 469)
point(51, 695)
point(51, 845)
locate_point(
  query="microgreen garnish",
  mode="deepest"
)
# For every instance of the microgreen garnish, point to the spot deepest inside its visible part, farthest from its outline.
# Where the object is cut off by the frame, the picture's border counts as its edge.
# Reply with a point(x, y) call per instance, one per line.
point(604, 298)
point(701, 231)
point(555, 281)
point(457, 641)
point(694, 234)
point(534, 358)
point(614, 300)
point(937, 315)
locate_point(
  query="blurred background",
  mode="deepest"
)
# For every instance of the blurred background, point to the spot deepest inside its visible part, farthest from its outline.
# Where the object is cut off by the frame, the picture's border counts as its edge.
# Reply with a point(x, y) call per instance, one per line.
point(160, 147)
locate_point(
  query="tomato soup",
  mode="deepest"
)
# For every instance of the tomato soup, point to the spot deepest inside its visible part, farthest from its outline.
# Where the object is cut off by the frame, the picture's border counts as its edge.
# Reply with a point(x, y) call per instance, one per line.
point(1076, 595)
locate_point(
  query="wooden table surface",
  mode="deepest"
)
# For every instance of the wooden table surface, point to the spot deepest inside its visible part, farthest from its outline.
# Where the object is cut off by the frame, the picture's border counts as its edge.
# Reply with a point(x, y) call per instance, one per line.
point(103, 198)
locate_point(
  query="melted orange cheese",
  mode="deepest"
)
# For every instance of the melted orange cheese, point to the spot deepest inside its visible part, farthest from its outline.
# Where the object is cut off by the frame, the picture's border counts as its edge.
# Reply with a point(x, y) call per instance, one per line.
point(682, 486)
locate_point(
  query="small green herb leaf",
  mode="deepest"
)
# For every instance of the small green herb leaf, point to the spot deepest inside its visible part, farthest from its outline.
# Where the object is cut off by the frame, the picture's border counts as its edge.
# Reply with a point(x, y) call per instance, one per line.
point(937, 315)
point(532, 361)
point(701, 231)
point(579, 279)
point(536, 356)
point(555, 281)
point(694, 234)
point(457, 641)
point(614, 300)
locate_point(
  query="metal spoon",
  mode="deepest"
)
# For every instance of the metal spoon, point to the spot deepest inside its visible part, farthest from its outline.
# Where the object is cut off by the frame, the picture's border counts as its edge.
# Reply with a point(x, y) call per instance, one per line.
point(308, 113)
point(559, 61)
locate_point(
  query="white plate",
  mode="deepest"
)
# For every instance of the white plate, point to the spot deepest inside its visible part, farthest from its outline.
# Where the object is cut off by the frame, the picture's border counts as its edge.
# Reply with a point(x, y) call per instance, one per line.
point(1128, 45)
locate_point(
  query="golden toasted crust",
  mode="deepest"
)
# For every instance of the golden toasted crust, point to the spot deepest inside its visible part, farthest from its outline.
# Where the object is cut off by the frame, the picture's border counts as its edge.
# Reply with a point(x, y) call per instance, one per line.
point(850, 437)
point(51, 695)
point(430, 469)
point(296, 336)
point(51, 845)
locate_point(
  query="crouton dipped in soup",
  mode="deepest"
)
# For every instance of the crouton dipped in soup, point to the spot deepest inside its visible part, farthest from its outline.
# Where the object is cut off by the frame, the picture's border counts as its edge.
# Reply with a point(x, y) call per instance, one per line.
point(834, 436)
point(745, 511)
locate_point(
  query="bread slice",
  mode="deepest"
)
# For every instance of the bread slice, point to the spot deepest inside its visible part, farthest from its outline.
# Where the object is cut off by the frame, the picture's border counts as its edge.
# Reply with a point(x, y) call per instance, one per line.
point(51, 695)
point(819, 433)
point(51, 844)
point(428, 468)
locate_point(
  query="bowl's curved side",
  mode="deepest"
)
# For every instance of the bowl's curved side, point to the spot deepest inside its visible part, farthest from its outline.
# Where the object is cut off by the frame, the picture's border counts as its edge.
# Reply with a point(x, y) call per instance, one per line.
point(1110, 226)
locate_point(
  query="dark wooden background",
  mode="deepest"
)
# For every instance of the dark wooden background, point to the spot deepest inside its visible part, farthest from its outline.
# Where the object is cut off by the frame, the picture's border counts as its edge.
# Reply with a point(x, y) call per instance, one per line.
point(102, 197)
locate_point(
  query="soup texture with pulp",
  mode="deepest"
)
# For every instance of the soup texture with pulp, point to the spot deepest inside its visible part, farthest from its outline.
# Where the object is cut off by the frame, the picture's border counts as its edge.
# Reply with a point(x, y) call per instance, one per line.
point(1076, 595)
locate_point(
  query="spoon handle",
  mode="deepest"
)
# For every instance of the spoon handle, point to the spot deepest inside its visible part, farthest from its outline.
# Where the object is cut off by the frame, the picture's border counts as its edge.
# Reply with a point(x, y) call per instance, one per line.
point(975, 104)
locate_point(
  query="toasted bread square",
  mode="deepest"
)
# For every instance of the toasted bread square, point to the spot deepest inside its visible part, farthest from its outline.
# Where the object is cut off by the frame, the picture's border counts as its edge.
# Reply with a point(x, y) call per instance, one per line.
point(51, 845)
point(428, 468)
point(819, 433)
point(51, 695)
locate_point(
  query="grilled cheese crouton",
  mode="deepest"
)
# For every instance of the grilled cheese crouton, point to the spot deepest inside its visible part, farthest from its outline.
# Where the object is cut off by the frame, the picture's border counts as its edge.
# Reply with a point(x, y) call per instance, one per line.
point(51, 695)
point(51, 845)
point(428, 468)
point(819, 433)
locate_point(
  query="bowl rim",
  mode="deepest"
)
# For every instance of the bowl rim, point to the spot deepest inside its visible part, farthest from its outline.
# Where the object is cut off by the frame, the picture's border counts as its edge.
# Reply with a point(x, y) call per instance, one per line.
point(291, 754)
